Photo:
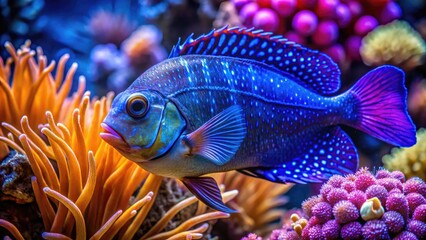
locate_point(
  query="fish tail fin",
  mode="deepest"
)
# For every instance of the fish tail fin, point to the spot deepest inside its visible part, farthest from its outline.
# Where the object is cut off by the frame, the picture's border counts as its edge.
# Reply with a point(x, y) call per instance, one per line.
point(380, 106)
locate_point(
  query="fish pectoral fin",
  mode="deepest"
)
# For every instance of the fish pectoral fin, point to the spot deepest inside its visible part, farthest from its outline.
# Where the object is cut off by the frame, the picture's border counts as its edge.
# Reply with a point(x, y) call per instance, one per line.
point(219, 138)
point(207, 191)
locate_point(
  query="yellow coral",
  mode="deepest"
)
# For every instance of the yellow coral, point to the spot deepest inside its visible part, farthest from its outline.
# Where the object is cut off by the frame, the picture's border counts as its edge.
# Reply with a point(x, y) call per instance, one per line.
point(411, 161)
point(395, 43)
point(92, 191)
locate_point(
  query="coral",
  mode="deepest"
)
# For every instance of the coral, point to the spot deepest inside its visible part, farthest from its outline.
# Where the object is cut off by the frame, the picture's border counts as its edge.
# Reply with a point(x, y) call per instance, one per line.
point(118, 67)
point(227, 14)
point(258, 202)
point(332, 26)
point(411, 161)
point(108, 27)
point(82, 186)
point(395, 43)
point(143, 47)
point(417, 102)
point(401, 214)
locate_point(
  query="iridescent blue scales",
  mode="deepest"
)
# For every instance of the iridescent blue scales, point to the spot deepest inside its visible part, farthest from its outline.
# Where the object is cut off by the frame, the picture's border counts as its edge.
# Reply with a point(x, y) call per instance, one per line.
point(238, 99)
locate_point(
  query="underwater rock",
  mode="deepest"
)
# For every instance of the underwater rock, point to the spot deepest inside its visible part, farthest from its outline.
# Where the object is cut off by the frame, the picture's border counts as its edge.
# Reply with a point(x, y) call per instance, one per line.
point(15, 179)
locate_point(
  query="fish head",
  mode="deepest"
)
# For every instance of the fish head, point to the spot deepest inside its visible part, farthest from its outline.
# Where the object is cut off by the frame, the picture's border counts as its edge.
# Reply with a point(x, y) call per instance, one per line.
point(142, 125)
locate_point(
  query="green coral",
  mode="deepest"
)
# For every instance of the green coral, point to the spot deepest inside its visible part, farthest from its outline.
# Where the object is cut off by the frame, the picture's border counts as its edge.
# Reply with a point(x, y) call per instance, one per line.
point(411, 161)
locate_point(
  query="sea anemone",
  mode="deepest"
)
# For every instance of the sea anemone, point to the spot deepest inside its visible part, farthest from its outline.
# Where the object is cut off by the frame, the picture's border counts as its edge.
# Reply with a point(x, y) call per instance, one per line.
point(411, 161)
point(76, 174)
point(399, 214)
point(258, 203)
point(395, 43)
point(30, 88)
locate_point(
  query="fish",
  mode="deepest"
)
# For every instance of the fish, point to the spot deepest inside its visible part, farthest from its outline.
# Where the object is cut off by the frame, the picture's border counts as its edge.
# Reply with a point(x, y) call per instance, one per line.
point(247, 100)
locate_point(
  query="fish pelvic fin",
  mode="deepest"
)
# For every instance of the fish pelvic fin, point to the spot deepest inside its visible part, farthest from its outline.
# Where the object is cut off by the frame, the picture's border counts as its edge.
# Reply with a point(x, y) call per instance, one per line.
point(379, 102)
point(207, 191)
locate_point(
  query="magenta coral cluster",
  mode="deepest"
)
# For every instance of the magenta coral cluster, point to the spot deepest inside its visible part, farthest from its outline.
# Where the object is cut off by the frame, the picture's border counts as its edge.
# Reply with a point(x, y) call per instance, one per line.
point(333, 26)
point(364, 206)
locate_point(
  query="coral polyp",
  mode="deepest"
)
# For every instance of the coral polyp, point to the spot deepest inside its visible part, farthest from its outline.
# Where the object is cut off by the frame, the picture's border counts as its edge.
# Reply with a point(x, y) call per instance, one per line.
point(400, 214)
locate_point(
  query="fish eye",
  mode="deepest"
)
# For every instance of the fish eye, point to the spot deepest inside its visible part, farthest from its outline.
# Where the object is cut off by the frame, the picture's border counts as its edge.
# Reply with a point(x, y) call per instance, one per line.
point(137, 105)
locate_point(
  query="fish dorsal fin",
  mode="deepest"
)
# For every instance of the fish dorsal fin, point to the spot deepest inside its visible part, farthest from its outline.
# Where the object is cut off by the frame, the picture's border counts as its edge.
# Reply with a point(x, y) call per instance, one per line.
point(219, 138)
point(312, 69)
point(325, 153)
point(206, 190)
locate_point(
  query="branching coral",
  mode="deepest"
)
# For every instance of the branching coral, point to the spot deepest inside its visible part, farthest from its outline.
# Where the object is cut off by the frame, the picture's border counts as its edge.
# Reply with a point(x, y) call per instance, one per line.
point(411, 161)
point(395, 43)
point(258, 202)
point(83, 187)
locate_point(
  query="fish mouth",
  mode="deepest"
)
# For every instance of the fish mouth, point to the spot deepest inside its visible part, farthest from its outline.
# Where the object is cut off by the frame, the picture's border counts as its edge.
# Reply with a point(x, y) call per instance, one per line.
point(112, 137)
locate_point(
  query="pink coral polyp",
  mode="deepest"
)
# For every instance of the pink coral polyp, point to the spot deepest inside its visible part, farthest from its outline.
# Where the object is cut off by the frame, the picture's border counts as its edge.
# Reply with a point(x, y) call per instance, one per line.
point(345, 211)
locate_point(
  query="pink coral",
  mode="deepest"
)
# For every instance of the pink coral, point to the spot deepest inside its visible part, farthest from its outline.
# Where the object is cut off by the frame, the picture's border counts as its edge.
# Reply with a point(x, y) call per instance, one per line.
point(375, 229)
point(322, 211)
point(394, 221)
point(380, 206)
point(345, 211)
point(326, 25)
point(351, 231)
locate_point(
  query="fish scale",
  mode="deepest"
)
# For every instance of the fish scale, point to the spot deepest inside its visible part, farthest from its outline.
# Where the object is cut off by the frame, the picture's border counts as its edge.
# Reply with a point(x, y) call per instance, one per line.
point(242, 99)
point(261, 93)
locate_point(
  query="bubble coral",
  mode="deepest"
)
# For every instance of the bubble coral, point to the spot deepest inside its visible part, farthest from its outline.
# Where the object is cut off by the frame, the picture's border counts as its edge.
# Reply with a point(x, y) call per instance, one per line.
point(411, 161)
point(76, 174)
point(395, 43)
point(401, 215)
point(332, 26)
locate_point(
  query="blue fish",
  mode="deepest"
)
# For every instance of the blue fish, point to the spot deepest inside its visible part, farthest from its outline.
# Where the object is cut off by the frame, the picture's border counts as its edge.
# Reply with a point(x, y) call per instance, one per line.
point(243, 99)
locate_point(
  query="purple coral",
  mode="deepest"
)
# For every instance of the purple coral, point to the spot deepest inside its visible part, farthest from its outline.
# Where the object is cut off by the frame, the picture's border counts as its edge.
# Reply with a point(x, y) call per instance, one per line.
point(375, 229)
point(365, 206)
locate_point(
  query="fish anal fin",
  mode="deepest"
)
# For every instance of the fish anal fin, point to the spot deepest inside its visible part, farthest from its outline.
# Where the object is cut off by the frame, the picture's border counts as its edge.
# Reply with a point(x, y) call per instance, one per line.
point(310, 68)
point(219, 138)
point(207, 191)
point(327, 152)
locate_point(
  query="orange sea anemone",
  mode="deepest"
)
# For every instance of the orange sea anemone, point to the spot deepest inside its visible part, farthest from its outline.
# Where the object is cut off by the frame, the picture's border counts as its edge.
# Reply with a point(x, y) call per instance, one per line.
point(30, 88)
point(83, 187)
